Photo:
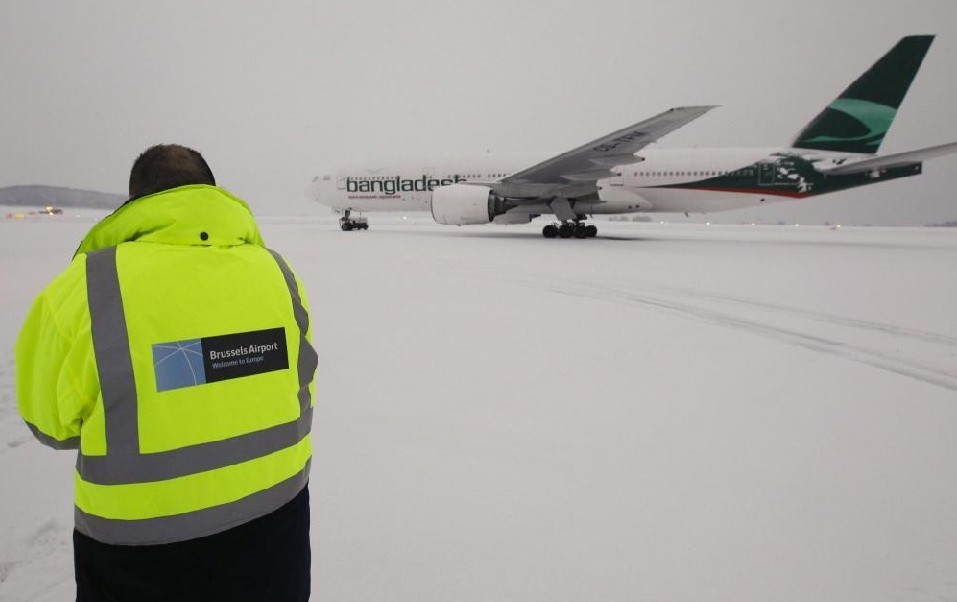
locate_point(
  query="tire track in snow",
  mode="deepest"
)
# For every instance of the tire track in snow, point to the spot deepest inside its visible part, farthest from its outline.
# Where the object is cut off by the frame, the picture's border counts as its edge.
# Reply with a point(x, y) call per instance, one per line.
point(891, 329)
point(840, 346)
point(841, 340)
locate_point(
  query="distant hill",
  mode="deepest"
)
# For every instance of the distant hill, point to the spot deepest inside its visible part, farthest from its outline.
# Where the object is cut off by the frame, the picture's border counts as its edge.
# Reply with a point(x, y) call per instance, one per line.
point(42, 196)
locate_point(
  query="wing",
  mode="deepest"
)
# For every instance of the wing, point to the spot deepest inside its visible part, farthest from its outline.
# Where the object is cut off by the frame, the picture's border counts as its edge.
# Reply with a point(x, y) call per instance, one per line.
point(592, 161)
point(891, 161)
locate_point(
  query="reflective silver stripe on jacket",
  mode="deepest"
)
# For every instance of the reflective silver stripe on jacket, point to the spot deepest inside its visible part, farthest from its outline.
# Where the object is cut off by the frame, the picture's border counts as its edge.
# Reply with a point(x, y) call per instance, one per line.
point(179, 527)
point(111, 346)
point(308, 359)
point(71, 443)
point(123, 462)
point(159, 466)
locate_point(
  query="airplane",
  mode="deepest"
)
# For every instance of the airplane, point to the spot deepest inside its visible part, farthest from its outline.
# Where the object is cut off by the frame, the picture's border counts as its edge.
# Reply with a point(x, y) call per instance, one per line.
point(617, 174)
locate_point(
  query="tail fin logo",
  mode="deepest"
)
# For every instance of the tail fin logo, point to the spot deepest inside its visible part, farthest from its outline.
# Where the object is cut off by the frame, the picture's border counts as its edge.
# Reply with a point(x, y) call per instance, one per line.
point(860, 117)
point(876, 118)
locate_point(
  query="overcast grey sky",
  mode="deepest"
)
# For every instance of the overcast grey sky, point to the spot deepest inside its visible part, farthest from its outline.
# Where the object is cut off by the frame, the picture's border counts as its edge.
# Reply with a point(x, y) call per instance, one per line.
point(274, 93)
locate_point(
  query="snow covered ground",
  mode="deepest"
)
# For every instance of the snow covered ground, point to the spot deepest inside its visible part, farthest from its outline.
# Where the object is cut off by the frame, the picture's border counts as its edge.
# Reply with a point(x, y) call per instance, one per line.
point(668, 412)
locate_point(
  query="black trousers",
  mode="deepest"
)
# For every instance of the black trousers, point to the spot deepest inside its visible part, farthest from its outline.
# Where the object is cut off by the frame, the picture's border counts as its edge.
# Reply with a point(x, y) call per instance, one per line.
point(267, 559)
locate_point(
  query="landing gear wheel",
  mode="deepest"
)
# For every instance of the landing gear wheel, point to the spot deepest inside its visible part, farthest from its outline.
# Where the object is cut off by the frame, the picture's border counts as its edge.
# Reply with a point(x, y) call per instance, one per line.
point(569, 229)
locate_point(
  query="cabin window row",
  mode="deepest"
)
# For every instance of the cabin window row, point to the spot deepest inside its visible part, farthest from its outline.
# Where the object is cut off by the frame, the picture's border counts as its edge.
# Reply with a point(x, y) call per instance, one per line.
point(478, 176)
point(660, 174)
point(450, 176)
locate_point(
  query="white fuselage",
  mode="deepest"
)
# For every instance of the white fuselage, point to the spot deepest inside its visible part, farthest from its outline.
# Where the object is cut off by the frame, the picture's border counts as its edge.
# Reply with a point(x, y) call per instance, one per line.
point(666, 180)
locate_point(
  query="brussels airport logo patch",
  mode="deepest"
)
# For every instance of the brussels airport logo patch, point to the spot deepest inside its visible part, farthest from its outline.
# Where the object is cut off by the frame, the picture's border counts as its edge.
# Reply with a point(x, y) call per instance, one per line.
point(199, 361)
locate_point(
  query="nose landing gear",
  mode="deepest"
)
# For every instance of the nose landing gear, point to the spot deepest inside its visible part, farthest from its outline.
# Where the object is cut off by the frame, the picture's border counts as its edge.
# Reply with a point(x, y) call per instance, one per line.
point(348, 223)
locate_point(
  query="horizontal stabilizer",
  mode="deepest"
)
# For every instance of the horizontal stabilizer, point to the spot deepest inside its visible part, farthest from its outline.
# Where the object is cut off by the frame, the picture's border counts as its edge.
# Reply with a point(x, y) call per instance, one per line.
point(895, 160)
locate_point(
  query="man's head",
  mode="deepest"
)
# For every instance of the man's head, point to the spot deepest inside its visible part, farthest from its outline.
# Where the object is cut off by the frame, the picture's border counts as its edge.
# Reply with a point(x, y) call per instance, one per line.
point(166, 166)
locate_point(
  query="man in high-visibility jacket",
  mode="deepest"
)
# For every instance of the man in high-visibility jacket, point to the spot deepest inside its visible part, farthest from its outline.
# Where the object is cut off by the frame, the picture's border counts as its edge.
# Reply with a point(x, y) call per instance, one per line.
point(174, 354)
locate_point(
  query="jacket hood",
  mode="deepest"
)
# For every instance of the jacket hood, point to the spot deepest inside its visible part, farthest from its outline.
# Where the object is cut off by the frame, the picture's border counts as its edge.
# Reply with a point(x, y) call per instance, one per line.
point(197, 215)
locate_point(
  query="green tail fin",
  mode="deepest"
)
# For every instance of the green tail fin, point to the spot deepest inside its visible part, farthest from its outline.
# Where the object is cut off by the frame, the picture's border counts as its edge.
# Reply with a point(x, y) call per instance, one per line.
point(858, 119)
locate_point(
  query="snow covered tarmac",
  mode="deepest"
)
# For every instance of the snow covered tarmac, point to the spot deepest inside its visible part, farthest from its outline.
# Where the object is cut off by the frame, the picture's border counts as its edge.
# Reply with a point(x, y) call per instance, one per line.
point(663, 413)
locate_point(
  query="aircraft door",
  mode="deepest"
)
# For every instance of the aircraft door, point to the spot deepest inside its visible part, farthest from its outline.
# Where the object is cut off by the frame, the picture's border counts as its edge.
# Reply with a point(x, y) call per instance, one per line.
point(766, 173)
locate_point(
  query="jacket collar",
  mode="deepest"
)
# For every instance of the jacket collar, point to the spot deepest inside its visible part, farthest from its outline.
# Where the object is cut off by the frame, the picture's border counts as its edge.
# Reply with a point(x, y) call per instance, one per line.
point(180, 216)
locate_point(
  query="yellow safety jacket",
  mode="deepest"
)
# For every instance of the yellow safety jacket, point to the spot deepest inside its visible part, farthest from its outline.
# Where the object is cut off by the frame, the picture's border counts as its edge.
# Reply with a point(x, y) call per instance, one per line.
point(174, 354)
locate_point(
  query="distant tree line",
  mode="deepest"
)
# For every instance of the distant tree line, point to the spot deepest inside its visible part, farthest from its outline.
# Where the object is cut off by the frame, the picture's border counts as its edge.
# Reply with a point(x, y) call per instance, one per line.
point(57, 196)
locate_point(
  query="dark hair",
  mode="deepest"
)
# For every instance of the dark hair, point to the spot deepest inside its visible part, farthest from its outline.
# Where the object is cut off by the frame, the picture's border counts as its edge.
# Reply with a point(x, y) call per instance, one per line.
point(166, 166)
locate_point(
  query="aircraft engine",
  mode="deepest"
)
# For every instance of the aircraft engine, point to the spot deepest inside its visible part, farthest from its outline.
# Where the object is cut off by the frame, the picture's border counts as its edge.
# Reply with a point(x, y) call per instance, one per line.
point(463, 205)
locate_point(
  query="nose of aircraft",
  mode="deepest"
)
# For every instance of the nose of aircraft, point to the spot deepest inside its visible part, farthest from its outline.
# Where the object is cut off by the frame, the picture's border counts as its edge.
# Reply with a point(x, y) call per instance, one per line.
point(313, 190)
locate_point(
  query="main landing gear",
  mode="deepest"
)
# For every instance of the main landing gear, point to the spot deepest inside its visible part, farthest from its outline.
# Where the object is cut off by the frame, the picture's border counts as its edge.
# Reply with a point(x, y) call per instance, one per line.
point(352, 223)
point(570, 229)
